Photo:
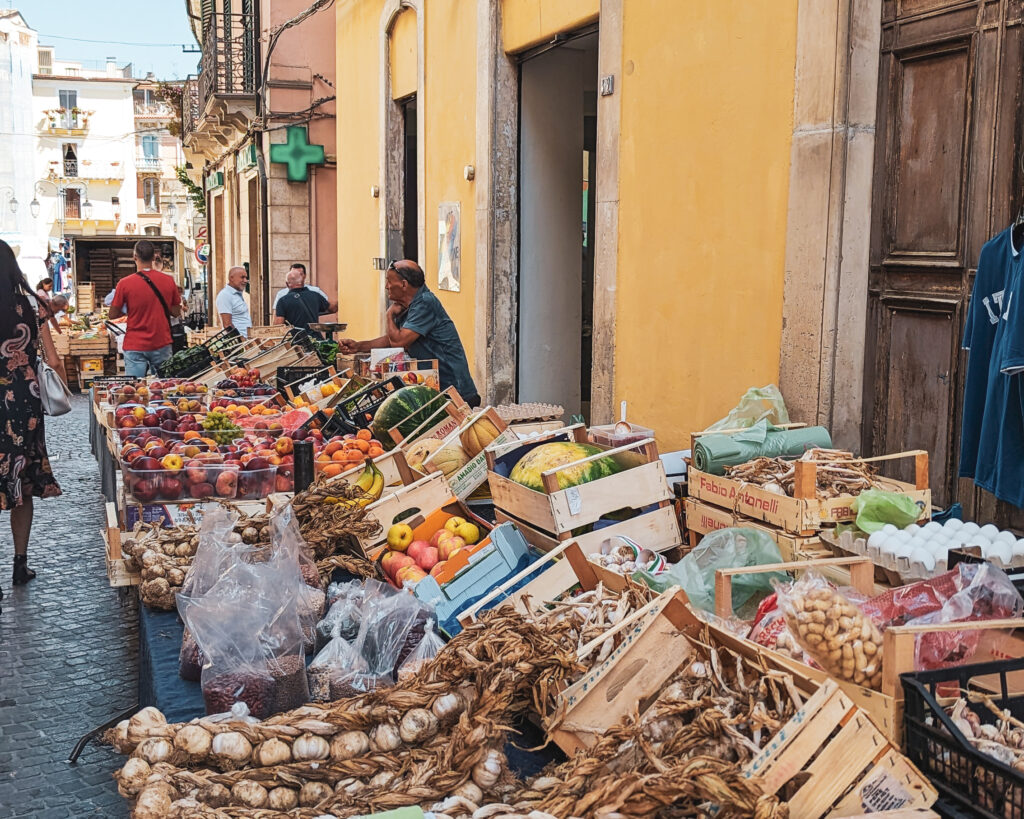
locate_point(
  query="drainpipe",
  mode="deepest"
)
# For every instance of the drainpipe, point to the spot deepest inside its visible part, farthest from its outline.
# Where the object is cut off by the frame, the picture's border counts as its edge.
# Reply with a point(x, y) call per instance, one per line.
point(261, 169)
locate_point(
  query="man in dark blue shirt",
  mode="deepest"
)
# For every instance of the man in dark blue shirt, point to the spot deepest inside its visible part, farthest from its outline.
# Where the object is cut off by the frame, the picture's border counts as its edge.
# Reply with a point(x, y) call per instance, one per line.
point(418, 322)
point(300, 306)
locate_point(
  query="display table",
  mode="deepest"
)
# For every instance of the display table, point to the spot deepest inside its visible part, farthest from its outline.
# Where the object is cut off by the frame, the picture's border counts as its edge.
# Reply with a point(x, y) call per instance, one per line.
point(160, 634)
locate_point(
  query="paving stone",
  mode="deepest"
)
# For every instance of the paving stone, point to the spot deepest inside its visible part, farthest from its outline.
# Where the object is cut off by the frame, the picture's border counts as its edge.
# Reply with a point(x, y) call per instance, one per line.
point(69, 658)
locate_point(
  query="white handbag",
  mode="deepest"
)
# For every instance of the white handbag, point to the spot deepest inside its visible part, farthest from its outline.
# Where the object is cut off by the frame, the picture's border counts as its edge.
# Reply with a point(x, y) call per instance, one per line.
point(53, 392)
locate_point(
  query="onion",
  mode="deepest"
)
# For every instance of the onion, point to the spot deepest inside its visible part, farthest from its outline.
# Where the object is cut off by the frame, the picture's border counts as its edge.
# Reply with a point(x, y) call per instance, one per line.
point(232, 747)
point(448, 707)
point(155, 802)
point(313, 793)
point(487, 771)
point(273, 752)
point(214, 795)
point(154, 750)
point(132, 777)
point(309, 747)
point(349, 745)
point(195, 741)
point(249, 793)
point(283, 799)
point(140, 725)
point(385, 737)
point(417, 725)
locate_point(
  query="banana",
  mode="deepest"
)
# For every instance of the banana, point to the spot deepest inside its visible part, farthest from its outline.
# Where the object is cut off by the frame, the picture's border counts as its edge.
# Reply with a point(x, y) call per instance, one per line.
point(371, 481)
point(365, 479)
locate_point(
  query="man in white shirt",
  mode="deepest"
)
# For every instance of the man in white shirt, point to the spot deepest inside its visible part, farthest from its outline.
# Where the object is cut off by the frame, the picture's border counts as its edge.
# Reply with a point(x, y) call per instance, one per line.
point(234, 312)
point(301, 268)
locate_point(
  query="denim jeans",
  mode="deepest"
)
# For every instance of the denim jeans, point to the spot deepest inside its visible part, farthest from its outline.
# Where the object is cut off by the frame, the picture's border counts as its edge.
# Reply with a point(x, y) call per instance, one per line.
point(136, 362)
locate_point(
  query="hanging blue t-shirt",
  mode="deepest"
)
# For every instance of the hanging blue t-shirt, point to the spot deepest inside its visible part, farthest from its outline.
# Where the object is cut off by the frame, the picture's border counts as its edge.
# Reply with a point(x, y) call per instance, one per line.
point(994, 265)
point(1000, 466)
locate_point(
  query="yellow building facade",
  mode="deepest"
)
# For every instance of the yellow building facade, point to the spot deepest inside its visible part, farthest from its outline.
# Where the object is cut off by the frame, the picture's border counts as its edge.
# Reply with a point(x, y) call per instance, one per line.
point(620, 172)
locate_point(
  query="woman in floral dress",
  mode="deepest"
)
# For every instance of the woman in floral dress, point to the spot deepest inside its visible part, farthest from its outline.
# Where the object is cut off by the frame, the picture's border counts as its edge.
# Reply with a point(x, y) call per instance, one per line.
point(24, 466)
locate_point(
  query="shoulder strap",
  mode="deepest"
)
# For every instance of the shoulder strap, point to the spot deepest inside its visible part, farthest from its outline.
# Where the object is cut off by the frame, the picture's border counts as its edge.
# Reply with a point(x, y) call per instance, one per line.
point(163, 303)
point(305, 307)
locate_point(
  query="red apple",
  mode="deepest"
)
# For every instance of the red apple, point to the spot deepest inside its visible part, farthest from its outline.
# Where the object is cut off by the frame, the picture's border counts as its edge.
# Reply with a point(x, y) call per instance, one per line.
point(157, 452)
point(171, 488)
point(284, 483)
point(438, 536)
point(415, 548)
point(392, 562)
point(438, 568)
point(195, 471)
point(450, 546)
point(202, 490)
point(145, 490)
point(147, 463)
point(227, 483)
point(257, 462)
point(411, 575)
point(428, 558)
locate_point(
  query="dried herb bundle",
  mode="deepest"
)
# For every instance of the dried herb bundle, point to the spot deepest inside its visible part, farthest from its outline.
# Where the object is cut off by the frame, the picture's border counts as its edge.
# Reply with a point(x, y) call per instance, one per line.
point(328, 525)
point(838, 473)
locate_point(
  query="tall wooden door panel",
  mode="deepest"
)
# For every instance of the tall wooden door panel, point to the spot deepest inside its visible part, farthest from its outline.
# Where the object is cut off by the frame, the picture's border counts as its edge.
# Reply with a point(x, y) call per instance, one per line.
point(945, 146)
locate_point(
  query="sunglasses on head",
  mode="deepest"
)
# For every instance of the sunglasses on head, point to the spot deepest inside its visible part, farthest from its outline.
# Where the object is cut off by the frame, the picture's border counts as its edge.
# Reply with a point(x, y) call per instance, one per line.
point(404, 274)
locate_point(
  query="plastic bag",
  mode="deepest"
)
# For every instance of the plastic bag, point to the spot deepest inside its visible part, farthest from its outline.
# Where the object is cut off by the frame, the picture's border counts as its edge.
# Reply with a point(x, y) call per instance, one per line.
point(219, 547)
point(877, 507)
point(422, 654)
point(840, 638)
point(338, 659)
point(757, 404)
point(190, 658)
point(347, 602)
point(723, 549)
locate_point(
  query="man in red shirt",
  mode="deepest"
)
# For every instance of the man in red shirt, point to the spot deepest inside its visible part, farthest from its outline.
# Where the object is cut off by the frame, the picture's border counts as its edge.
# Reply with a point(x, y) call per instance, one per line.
point(147, 342)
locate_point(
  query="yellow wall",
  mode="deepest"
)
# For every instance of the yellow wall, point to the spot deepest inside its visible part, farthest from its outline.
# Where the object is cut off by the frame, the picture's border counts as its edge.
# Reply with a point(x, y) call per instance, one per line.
point(402, 55)
point(528, 23)
point(358, 92)
point(707, 106)
point(450, 127)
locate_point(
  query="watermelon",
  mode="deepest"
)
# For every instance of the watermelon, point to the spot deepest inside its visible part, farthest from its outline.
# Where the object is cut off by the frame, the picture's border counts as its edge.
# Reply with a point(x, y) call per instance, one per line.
point(547, 456)
point(405, 408)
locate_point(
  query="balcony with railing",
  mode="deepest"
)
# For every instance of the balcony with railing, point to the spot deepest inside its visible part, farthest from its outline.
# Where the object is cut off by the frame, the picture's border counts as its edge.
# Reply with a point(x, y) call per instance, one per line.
point(73, 169)
point(66, 121)
point(148, 164)
point(153, 110)
point(189, 107)
point(228, 65)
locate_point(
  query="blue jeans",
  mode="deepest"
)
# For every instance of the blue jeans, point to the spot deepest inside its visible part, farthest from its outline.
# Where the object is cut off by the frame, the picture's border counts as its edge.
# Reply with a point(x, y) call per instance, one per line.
point(136, 362)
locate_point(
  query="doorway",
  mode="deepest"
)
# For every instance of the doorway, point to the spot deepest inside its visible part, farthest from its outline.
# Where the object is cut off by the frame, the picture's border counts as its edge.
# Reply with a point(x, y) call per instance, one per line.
point(557, 184)
point(410, 182)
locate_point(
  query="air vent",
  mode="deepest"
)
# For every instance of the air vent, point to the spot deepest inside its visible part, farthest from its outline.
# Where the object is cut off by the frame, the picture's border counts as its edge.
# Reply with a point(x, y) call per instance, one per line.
point(45, 60)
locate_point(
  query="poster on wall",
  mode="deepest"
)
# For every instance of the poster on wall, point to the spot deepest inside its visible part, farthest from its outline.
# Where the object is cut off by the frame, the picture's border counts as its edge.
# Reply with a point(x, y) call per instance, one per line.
point(449, 276)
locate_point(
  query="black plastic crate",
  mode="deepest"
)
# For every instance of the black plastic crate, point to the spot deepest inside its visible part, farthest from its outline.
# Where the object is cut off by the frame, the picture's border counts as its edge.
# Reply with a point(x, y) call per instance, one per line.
point(976, 783)
point(186, 363)
point(291, 374)
point(359, 408)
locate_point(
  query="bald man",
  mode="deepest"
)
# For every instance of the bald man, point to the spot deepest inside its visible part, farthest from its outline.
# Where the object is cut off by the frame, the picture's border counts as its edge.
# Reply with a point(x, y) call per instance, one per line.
point(234, 312)
point(300, 306)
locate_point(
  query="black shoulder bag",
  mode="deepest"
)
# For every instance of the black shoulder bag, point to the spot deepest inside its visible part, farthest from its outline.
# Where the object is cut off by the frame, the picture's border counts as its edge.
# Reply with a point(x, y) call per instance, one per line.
point(179, 340)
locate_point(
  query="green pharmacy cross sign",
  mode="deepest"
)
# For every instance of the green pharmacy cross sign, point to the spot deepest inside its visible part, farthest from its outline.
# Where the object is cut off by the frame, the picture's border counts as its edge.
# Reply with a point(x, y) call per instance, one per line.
point(297, 154)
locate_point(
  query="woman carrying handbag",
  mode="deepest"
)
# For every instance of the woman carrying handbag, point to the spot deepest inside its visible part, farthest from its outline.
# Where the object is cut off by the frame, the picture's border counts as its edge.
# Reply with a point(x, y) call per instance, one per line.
point(24, 465)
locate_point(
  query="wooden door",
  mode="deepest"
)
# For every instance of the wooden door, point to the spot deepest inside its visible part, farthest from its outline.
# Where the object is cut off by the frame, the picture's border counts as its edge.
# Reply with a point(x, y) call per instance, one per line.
point(946, 179)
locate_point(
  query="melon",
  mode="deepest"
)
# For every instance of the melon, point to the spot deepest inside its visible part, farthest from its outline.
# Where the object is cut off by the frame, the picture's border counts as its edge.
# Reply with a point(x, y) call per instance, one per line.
point(406, 409)
point(558, 453)
point(418, 452)
point(479, 435)
point(448, 460)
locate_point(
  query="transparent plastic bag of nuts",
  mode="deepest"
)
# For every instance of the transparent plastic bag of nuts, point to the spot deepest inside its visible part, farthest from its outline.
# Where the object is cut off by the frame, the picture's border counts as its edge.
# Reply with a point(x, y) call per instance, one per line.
point(832, 630)
point(422, 654)
point(335, 661)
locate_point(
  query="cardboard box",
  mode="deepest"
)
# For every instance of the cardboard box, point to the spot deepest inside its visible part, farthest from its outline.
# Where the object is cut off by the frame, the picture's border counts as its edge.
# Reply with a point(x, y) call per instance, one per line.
point(473, 474)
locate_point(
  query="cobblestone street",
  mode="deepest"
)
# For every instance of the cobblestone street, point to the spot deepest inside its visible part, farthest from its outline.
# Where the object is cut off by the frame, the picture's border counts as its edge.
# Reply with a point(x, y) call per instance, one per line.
point(68, 646)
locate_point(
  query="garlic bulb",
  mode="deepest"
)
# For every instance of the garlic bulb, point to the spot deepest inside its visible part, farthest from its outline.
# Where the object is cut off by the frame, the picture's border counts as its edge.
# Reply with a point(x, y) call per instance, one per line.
point(469, 791)
point(231, 746)
point(313, 793)
point(385, 737)
point(417, 725)
point(154, 750)
point(283, 799)
point(119, 738)
point(175, 577)
point(447, 707)
point(214, 796)
point(381, 780)
point(273, 752)
point(250, 794)
point(349, 745)
point(147, 720)
point(195, 741)
point(155, 802)
point(487, 771)
point(309, 747)
point(150, 558)
point(133, 775)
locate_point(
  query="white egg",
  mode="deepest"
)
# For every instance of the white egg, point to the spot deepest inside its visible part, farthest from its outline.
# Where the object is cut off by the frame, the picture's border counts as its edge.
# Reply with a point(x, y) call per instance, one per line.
point(931, 527)
point(1001, 552)
point(913, 528)
point(1007, 537)
point(953, 524)
point(903, 550)
point(1018, 548)
point(889, 529)
point(875, 540)
point(990, 530)
point(926, 560)
point(888, 546)
point(970, 528)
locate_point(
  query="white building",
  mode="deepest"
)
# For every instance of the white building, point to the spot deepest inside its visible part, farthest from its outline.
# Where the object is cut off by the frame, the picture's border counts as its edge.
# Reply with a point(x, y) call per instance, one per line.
point(18, 143)
point(85, 160)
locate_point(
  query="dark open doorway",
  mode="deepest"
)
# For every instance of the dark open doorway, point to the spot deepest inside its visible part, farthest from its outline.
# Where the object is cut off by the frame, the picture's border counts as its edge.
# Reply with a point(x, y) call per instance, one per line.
point(410, 185)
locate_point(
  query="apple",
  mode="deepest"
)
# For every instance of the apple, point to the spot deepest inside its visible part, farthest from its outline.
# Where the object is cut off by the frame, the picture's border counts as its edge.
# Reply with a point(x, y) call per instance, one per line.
point(428, 558)
point(139, 413)
point(469, 532)
point(284, 483)
point(438, 536)
point(415, 548)
point(438, 568)
point(145, 490)
point(147, 463)
point(453, 523)
point(158, 451)
point(450, 546)
point(393, 562)
point(399, 537)
point(202, 490)
point(410, 575)
point(227, 483)
point(171, 488)
point(195, 471)
point(127, 422)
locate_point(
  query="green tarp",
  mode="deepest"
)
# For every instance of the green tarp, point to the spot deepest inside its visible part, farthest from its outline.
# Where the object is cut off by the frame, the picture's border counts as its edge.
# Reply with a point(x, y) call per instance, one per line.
point(712, 453)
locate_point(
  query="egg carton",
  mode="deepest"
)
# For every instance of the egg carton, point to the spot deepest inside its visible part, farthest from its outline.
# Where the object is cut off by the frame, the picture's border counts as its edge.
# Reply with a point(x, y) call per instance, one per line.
point(920, 552)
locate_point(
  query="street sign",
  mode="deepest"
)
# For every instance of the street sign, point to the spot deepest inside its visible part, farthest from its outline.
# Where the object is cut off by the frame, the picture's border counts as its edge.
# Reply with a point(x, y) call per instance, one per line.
point(203, 252)
point(201, 233)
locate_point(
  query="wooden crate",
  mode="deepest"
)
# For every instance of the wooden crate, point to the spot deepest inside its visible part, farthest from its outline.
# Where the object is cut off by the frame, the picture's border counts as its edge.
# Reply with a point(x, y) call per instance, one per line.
point(62, 341)
point(805, 513)
point(396, 469)
point(117, 573)
point(402, 503)
point(473, 474)
point(839, 762)
point(555, 513)
point(97, 346)
point(702, 518)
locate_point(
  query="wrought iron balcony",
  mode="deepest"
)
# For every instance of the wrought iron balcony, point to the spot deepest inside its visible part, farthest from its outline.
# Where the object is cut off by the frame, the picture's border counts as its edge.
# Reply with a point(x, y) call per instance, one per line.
point(148, 164)
point(190, 111)
point(71, 168)
point(154, 110)
point(228, 65)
